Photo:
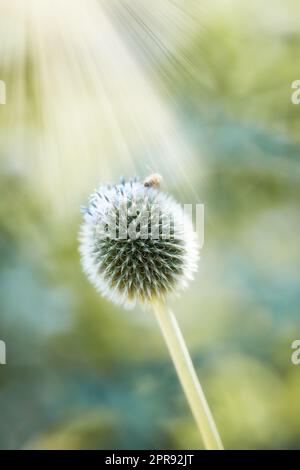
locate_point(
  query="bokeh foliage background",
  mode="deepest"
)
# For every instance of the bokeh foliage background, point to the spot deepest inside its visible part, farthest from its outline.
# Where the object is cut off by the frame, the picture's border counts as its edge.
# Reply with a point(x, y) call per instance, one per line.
point(199, 91)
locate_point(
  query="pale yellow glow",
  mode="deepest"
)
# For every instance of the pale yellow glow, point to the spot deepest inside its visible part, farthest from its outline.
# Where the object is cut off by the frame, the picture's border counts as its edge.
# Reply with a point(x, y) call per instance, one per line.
point(95, 113)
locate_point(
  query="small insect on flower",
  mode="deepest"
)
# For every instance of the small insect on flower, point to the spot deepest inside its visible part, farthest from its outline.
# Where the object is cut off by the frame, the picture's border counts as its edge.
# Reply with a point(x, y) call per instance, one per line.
point(136, 243)
point(153, 181)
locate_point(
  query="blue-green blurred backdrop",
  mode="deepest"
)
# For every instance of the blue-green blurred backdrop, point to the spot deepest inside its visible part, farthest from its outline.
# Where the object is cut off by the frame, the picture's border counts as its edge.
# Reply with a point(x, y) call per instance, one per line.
point(199, 91)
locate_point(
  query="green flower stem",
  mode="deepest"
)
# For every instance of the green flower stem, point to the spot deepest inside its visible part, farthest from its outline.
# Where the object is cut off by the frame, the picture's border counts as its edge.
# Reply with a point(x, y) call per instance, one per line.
point(187, 376)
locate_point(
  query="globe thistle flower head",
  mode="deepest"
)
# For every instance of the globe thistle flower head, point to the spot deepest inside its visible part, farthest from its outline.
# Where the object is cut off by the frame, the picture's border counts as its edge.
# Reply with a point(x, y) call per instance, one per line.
point(136, 243)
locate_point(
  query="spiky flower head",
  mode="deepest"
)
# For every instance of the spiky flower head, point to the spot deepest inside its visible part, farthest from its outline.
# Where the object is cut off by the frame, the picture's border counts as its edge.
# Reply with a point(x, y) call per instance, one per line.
point(136, 243)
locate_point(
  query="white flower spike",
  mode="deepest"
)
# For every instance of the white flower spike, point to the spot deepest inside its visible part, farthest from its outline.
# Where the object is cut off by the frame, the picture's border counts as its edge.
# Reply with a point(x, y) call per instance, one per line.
point(137, 244)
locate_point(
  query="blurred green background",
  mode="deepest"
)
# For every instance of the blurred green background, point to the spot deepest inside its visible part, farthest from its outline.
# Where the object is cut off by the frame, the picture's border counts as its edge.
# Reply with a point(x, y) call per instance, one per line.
point(199, 91)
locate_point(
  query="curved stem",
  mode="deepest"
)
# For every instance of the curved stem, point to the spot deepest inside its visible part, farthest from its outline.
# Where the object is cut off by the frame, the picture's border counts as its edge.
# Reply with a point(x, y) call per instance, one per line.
point(187, 376)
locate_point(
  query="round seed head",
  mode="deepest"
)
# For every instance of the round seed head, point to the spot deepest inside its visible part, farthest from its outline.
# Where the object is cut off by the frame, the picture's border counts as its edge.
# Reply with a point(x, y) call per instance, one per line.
point(136, 243)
